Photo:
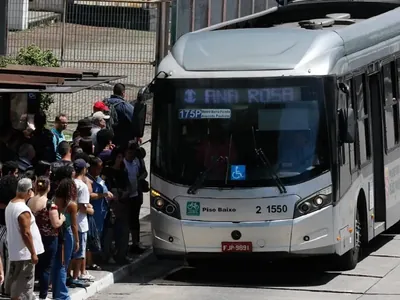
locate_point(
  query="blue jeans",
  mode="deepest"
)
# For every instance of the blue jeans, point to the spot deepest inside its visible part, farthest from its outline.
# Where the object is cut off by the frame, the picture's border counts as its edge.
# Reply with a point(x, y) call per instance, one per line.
point(59, 276)
point(81, 253)
point(45, 264)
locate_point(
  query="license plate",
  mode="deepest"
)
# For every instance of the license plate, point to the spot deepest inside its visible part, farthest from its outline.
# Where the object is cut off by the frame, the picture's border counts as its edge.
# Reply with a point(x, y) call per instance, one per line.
point(237, 247)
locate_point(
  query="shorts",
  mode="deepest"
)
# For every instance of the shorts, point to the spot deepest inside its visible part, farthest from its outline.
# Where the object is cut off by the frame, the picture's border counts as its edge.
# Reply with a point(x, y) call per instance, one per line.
point(82, 246)
point(21, 279)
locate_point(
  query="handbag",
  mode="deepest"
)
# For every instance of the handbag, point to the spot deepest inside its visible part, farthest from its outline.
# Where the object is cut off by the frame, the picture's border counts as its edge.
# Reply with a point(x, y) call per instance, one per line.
point(143, 184)
point(93, 238)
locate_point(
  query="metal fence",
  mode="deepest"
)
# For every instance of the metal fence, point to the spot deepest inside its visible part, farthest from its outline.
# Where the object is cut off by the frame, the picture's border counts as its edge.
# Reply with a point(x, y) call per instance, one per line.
point(116, 37)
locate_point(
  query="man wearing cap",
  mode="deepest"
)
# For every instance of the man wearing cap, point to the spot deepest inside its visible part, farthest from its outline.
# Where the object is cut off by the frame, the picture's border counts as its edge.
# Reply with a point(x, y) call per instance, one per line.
point(100, 106)
point(99, 123)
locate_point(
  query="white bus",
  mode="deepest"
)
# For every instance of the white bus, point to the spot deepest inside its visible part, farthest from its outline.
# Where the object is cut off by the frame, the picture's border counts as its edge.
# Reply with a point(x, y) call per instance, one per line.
point(277, 134)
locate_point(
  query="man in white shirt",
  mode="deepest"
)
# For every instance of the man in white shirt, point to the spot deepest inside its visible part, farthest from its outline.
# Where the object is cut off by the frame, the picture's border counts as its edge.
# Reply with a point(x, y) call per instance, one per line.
point(84, 207)
point(24, 243)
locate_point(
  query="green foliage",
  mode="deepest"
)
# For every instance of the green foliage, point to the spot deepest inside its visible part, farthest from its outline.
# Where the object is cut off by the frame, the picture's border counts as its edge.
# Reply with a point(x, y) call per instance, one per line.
point(6, 60)
point(34, 56)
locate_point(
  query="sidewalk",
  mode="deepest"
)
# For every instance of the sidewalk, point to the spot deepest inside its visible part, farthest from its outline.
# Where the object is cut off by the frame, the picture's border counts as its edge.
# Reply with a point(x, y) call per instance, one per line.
point(114, 273)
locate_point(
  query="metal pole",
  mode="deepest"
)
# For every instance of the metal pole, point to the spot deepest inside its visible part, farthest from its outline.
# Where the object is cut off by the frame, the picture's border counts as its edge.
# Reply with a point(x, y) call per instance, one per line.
point(3, 27)
point(162, 31)
point(64, 20)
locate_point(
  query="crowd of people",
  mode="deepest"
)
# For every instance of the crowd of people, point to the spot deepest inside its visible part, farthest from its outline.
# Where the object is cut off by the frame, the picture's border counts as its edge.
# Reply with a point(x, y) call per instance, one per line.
point(68, 207)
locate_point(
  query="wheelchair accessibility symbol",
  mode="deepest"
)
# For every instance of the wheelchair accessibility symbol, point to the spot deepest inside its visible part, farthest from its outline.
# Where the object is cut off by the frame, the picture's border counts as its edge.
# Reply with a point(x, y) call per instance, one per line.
point(238, 172)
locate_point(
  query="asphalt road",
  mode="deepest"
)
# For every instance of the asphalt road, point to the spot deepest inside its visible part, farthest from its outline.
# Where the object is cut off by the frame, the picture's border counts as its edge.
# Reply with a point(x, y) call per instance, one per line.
point(377, 276)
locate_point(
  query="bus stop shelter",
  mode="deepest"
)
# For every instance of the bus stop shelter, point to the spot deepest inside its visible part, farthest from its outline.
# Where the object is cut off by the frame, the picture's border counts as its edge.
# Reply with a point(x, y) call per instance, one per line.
point(25, 83)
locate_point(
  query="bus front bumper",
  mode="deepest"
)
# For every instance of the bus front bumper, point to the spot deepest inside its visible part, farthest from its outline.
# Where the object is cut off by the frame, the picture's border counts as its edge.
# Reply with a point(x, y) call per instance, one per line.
point(311, 234)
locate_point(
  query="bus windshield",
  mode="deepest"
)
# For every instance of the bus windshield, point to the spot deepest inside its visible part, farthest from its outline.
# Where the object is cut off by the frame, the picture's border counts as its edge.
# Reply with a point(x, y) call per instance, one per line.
point(221, 126)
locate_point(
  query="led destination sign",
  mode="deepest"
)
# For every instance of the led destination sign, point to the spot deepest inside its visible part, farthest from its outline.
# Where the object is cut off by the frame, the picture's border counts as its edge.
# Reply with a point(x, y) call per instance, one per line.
point(232, 96)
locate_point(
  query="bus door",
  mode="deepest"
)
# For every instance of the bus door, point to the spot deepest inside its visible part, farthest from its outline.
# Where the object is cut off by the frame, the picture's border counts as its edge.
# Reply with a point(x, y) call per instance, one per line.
point(377, 119)
point(344, 102)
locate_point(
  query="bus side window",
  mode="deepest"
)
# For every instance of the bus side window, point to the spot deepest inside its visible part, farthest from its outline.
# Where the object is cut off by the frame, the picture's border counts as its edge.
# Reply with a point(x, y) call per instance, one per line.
point(391, 107)
point(396, 88)
point(364, 141)
point(352, 104)
point(342, 104)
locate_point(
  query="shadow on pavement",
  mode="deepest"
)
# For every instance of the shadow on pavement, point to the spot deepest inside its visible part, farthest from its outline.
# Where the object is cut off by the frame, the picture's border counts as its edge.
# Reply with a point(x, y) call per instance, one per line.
point(303, 272)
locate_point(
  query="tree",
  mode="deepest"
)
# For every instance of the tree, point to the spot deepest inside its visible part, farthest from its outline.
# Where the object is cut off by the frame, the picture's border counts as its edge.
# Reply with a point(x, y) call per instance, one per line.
point(34, 56)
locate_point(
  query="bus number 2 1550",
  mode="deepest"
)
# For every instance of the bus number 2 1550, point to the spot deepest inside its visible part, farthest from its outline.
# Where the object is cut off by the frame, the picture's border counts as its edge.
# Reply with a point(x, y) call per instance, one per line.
point(273, 209)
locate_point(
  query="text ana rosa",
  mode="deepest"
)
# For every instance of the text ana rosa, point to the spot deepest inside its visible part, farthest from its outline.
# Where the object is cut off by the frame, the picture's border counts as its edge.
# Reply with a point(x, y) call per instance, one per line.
point(219, 209)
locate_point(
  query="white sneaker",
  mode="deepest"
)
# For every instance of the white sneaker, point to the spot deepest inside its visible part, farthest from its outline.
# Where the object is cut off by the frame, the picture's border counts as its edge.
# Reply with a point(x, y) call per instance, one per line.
point(87, 277)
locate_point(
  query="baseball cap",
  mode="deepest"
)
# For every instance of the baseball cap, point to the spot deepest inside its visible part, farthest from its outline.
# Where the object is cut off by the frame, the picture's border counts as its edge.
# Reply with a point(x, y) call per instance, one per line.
point(98, 115)
point(79, 164)
point(100, 105)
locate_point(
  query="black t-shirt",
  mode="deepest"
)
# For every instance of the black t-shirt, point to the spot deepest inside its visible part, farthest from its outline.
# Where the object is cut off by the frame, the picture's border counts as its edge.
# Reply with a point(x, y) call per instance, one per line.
point(42, 142)
point(6, 153)
point(116, 179)
point(2, 216)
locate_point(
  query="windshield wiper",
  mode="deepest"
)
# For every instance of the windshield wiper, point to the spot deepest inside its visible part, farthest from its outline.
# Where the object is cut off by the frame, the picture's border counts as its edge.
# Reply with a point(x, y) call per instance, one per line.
point(203, 176)
point(261, 155)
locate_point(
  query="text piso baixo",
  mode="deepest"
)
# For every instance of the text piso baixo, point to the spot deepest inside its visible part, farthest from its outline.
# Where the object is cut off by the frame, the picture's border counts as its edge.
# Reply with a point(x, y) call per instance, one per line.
point(218, 209)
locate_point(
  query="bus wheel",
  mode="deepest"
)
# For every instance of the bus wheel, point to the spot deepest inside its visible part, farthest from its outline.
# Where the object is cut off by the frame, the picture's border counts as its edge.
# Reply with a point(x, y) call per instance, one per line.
point(349, 260)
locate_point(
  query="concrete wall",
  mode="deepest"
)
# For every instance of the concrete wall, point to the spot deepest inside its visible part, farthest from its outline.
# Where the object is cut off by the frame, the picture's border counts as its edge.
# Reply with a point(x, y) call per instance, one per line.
point(48, 5)
point(18, 14)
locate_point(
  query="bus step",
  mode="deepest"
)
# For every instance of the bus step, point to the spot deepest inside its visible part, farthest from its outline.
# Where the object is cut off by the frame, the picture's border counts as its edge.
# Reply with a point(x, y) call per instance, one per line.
point(379, 228)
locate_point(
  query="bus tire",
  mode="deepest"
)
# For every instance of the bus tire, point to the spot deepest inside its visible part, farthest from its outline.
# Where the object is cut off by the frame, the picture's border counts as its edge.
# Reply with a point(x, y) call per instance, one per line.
point(349, 260)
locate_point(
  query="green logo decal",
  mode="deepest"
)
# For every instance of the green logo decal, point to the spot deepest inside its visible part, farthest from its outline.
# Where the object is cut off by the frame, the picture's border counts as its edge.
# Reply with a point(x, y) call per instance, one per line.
point(193, 208)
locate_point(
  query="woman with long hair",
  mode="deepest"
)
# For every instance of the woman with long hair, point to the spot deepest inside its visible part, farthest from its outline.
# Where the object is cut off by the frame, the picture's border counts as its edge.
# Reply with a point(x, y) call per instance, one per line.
point(48, 220)
point(68, 241)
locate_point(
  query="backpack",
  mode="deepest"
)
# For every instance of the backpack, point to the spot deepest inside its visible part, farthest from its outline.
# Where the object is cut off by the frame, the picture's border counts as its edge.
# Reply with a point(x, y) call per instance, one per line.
point(113, 121)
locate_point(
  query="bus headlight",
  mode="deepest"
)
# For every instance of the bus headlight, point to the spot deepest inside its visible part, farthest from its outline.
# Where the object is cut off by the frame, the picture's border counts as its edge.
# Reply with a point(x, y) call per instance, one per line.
point(164, 205)
point(313, 203)
point(158, 202)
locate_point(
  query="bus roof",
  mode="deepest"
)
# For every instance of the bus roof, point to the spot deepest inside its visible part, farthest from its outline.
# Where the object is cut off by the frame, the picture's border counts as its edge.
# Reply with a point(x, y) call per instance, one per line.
point(274, 40)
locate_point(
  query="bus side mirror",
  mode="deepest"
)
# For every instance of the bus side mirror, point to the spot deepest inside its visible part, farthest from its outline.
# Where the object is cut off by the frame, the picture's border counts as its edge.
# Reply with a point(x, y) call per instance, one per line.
point(347, 126)
point(144, 94)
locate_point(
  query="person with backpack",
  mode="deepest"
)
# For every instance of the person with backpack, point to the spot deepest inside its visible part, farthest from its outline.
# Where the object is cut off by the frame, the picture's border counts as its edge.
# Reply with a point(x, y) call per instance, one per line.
point(48, 220)
point(121, 115)
point(60, 124)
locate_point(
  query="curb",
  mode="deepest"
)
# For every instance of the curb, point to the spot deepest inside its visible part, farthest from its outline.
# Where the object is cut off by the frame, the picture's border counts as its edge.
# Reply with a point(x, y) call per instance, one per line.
point(113, 277)
point(44, 20)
